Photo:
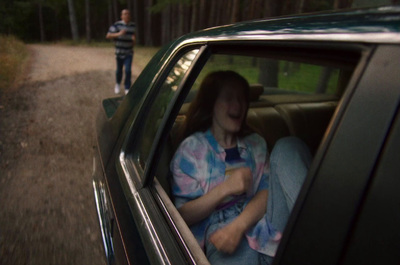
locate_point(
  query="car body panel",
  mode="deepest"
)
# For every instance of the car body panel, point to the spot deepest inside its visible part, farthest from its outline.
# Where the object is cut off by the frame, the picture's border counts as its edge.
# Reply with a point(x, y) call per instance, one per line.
point(382, 199)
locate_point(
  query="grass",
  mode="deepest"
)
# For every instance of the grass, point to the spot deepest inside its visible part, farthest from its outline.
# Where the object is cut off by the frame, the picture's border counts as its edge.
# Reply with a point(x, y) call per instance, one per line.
point(299, 77)
point(13, 55)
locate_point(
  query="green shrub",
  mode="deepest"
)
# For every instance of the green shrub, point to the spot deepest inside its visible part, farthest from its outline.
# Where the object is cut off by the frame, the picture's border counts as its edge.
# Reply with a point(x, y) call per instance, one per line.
point(13, 53)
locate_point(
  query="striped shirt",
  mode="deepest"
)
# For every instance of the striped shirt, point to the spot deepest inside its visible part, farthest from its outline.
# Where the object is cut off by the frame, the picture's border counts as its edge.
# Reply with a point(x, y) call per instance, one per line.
point(124, 43)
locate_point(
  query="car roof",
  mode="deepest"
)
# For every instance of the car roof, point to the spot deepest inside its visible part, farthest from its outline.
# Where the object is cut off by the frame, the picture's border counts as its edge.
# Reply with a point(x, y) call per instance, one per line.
point(377, 25)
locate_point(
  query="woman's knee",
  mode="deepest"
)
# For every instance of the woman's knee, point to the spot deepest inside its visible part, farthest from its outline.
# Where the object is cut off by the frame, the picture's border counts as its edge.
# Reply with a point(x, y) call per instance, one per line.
point(290, 162)
point(289, 150)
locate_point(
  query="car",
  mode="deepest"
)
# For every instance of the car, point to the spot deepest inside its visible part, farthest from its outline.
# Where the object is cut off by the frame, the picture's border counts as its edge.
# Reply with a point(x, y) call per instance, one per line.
point(331, 79)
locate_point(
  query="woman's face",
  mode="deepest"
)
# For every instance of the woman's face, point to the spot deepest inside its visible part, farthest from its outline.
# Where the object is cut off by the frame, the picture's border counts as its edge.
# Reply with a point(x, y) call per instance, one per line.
point(229, 109)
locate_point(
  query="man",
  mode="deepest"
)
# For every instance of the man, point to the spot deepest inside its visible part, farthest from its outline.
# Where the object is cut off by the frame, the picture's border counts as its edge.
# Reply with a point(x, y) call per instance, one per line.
point(123, 33)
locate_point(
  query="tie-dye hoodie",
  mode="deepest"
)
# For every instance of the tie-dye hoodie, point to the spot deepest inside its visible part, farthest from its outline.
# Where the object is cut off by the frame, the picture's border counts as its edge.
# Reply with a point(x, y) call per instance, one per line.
point(199, 165)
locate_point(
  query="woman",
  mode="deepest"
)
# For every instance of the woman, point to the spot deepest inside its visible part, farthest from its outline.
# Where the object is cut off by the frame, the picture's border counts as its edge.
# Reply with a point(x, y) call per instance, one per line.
point(222, 180)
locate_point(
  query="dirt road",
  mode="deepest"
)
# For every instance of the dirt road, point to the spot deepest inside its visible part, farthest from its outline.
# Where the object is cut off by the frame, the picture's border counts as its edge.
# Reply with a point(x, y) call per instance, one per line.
point(47, 211)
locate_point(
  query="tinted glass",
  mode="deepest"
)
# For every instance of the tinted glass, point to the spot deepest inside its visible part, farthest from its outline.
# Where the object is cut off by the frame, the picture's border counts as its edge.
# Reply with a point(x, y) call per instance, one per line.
point(157, 109)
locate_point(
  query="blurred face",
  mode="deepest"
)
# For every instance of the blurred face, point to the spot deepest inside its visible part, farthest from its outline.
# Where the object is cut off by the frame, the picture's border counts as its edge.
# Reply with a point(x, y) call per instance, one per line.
point(125, 15)
point(229, 109)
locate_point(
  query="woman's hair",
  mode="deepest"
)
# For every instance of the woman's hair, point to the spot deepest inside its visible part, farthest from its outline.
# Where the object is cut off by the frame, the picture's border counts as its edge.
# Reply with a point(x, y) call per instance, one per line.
point(200, 113)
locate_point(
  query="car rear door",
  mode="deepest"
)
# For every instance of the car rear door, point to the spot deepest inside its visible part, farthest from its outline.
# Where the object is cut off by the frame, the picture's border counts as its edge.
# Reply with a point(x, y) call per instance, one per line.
point(337, 205)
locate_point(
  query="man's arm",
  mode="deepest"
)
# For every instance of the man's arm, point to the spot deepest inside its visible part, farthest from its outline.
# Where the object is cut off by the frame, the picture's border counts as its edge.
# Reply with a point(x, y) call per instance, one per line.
point(111, 35)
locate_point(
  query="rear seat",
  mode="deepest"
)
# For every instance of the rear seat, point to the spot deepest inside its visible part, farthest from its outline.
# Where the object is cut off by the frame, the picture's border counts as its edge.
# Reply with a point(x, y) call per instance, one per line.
point(308, 121)
point(268, 122)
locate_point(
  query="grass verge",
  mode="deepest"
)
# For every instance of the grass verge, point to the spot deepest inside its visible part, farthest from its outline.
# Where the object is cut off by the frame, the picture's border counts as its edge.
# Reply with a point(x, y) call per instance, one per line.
point(13, 55)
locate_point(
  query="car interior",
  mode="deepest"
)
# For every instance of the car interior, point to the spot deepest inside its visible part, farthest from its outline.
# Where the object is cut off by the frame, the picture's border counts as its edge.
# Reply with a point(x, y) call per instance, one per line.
point(298, 100)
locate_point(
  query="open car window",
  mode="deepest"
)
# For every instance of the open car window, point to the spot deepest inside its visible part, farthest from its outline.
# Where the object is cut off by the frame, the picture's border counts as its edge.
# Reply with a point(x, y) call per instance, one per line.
point(292, 94)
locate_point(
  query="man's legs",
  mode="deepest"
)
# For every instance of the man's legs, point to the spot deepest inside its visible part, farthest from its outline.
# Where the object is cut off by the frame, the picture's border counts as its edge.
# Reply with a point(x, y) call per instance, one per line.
point(128, 71)
point(118, 74)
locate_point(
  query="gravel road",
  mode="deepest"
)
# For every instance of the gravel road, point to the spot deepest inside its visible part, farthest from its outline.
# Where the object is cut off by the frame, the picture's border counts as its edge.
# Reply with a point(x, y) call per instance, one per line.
point(47, 211)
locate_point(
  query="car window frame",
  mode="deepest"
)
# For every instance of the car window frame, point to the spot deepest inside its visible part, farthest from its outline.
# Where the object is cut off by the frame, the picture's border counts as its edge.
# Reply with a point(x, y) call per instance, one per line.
point(158, 193)
point(129, 167)
point(378, 219)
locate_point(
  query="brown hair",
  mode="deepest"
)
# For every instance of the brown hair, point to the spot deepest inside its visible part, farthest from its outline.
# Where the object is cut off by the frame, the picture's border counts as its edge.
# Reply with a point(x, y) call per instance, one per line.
point(200, 113)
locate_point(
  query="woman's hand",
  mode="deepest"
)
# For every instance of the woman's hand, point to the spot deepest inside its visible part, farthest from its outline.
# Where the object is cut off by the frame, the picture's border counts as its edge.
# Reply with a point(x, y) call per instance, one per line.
point(239, 182)
point(227, 238)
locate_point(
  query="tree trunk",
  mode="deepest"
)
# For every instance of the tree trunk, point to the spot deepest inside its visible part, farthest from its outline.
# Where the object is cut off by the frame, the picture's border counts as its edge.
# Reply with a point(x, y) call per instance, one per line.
point(268, 73)
point(88, 29)
point(129, 7)
point(166, 25)
point(272, 8)
point(72, 19)
point(41, 25)
point(202, 10)
point(299, 7)
point(117, 13)
point(180, 20)
point(338, 4)
point(212, 14)
point(148, 26)
point(138, 21)
point(194, 19)
point(324, 77)
point(110, 16)
point(235, 11)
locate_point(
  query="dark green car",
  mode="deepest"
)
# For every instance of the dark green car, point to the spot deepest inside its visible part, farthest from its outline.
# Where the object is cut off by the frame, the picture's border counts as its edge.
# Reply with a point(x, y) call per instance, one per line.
point(332, 80)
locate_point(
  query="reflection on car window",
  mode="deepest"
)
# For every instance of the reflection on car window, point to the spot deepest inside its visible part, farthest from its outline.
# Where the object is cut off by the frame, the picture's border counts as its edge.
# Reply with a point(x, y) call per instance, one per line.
point(159, 106)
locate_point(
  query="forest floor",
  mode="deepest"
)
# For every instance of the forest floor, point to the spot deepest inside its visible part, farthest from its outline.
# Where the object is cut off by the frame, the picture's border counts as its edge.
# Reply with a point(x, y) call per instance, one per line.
point(47, 205)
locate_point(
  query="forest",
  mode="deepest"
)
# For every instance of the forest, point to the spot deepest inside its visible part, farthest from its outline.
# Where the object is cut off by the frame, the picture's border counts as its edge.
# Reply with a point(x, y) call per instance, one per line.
point(157, 21)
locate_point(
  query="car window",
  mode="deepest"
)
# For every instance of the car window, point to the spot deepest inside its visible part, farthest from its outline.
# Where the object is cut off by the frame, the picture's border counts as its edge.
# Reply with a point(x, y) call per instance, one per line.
point(288, 97)
point(156, 110)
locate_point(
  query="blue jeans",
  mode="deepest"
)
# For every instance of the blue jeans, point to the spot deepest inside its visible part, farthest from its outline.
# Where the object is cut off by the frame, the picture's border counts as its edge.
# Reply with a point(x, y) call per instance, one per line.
point(289, 163)
point(126, 62)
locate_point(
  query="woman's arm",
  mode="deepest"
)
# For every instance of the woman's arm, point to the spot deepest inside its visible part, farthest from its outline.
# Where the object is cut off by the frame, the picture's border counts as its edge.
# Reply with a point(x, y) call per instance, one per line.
point(196, 210)
point(227, 238)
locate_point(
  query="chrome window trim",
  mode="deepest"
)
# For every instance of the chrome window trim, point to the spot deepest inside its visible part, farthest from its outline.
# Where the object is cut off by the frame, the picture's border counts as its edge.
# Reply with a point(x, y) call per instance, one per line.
point(107, 241)
point(367, 38)
point(145, 219)
point(186, 237)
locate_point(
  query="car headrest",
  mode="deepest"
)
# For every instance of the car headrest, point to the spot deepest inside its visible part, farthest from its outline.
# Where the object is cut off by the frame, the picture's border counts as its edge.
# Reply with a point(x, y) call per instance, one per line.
point(256, 91)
